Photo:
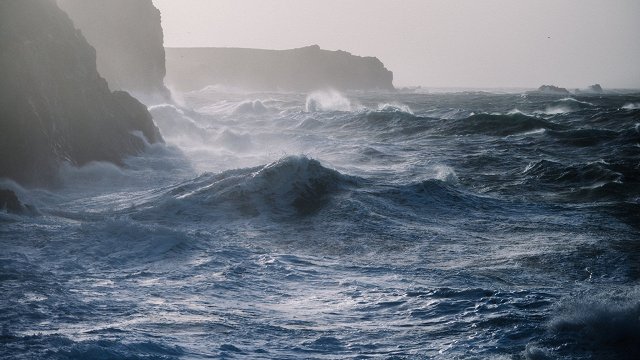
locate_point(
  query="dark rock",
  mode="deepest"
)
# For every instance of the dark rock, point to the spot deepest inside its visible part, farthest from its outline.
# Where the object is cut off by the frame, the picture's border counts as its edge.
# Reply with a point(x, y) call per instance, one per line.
point(128, 38)
point(552, 89)
point(54, 106)
point(304, 69)
point(9, 202)
point(591, 90)
point(596, 89)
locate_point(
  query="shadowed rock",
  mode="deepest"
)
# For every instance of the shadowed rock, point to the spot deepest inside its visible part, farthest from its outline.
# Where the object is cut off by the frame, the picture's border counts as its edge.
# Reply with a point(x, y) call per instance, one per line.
point(9, 202)
point(552, 89)
point(54, 106)
point(128, 38)
point(593, 89)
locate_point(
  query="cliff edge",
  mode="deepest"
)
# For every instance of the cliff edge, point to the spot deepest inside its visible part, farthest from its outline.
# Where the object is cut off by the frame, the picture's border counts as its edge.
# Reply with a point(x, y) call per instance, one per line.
point(128, 38)
point(304, 69)
point(54, 106)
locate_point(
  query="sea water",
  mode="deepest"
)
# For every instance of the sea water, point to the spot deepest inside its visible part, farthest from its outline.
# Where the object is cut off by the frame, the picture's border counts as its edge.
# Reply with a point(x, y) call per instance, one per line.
point(467, 225)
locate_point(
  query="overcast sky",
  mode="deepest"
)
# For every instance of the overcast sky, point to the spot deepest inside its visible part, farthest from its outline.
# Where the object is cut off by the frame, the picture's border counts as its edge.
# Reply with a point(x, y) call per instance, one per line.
point(458, 43)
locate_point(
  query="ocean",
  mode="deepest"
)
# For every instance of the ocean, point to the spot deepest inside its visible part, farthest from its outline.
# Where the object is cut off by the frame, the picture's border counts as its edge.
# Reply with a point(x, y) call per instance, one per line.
point(467, 225)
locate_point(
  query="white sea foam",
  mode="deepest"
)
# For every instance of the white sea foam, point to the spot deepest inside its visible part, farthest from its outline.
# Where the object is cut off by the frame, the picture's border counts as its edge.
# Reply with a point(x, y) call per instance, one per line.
point(446, 174)
point(536, 353)
point(329, 100)
point(395, 107)
point(557, 110)
point(570, 99)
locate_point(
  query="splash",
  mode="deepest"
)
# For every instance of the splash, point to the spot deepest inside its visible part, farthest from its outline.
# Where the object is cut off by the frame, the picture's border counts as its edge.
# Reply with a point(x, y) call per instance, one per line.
point(631, 106)
point(330, 100)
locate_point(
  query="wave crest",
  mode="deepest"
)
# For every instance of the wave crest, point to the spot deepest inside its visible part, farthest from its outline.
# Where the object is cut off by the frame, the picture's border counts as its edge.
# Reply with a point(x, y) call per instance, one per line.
point(291, 186)
point(607, 324)
point(395, 107)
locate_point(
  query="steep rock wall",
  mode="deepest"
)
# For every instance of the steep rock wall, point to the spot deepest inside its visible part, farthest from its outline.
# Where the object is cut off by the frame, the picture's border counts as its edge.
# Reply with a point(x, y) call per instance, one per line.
point(128, 38)
point(54, 106)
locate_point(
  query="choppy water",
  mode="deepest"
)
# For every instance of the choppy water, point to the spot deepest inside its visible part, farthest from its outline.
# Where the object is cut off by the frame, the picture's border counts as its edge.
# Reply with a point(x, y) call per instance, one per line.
point(324, 226)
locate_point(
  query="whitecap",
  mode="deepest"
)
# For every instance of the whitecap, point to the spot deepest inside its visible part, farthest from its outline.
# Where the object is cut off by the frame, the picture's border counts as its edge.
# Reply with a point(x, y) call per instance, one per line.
point(329, 100)
point(631, 106)
point(395, 107)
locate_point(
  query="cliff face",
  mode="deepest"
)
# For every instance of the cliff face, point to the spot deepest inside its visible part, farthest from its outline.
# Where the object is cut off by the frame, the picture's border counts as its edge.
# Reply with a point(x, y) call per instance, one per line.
point(54, 106)
point(128, 38)
point(305, 69)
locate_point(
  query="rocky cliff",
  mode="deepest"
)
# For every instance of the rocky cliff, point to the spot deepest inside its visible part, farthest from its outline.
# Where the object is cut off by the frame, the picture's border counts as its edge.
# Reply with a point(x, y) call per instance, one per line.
point(128, 38)
point(54, 106)
point(305, 69)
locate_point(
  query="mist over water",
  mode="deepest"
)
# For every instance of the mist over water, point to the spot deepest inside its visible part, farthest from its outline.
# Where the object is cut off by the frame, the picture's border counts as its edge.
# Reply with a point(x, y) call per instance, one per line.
point(340, 225)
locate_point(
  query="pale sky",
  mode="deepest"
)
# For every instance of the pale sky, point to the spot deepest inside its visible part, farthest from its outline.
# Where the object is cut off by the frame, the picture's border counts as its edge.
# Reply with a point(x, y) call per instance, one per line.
point(434, 43)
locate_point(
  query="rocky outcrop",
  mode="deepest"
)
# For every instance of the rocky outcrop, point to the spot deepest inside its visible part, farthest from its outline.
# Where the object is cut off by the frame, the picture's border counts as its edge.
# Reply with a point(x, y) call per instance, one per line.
point(305, 69)
point(54, 106)
point(596, 89)
point(10, 203)
point(593, 89)
point(551, 90)
point(128, 38)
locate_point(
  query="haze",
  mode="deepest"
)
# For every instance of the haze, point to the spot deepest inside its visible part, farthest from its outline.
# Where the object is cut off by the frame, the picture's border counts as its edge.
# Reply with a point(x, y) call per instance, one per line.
point(469, 43)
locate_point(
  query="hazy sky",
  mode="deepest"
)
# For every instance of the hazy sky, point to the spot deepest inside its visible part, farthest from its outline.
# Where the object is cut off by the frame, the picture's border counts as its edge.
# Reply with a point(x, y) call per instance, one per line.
point(469, 43)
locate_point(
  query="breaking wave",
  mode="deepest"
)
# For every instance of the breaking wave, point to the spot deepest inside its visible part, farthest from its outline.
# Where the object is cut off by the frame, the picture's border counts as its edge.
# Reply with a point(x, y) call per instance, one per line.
point(328, 101)
point(608, 325)
point(294, 185)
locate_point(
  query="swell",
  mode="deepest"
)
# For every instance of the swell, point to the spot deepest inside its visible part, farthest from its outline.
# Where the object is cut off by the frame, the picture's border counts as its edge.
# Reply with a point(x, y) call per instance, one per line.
point(388, 122)
point(291, 186)
point(577, 174)
point(498, 125)
point(583, 137)
point(598, 181)
point(297, 187)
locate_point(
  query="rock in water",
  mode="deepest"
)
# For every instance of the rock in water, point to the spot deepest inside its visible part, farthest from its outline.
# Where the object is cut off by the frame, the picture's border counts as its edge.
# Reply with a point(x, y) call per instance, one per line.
point(596, 88)
point(304, 69)
point(552, 89)
point(9, 202)
point(54, 106)
point(128, 38)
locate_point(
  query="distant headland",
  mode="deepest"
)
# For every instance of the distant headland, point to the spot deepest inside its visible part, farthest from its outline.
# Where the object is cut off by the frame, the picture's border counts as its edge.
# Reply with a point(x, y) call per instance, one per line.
point(303, 69)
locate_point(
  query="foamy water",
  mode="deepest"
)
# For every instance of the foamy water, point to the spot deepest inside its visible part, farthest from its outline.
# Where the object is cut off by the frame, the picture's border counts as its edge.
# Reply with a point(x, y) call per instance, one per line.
point(329, 225)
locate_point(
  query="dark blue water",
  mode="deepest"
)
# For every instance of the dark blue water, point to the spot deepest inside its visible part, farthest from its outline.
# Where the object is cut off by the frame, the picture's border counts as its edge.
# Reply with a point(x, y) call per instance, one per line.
point(333, 226)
